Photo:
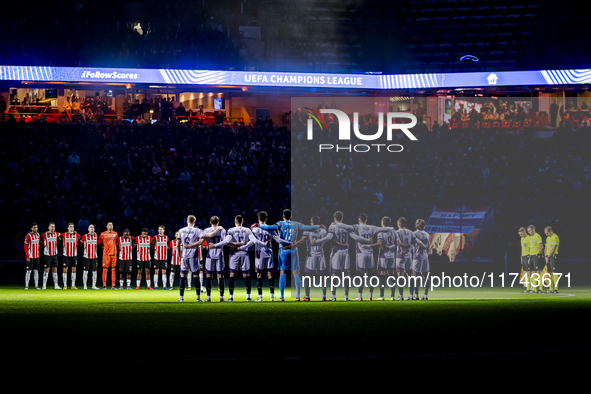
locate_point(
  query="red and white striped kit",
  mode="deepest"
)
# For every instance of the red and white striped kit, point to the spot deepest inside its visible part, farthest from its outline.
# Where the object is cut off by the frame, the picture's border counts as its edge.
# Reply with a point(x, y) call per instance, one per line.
point(143, 248)
point(176, 259)
point(71, 244)
point(125, 246)
point(50, 241)
point(32, 245)
point(90, 243)
point(161, 244)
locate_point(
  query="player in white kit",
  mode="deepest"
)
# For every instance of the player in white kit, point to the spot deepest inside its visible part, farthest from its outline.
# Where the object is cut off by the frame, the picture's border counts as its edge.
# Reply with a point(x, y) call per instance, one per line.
point(387, 257)
point(363, 233)
point(191, 237)
point(406, 239)
point(239, 262)
point(214, 261)
point(339, 254)
point(315, 262)
point(263, 261)
point(420, 260)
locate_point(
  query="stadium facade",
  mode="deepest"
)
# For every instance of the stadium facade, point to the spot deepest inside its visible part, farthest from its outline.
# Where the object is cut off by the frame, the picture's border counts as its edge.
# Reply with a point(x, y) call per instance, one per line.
point(246, 95)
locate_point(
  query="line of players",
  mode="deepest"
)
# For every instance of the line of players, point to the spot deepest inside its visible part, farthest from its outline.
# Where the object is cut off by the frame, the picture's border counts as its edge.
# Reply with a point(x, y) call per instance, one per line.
point(402, 252)
point(533, 253)
point(147, 247)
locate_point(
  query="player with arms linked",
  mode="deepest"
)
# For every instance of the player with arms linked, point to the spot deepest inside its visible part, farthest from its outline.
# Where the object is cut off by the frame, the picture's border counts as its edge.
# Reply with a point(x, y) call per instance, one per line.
point(288, 258)
point(190, 238)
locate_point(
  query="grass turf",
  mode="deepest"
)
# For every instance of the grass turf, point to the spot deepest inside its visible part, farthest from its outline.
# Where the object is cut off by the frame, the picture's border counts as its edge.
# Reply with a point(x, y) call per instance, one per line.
point(451, 322)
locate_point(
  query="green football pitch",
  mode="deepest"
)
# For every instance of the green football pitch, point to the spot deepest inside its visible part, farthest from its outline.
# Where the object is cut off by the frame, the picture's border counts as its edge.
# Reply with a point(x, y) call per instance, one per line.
point(143, 323)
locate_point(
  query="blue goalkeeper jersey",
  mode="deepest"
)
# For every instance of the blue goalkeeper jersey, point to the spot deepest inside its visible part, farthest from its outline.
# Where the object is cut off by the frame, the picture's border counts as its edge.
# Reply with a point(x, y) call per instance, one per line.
point(288, 230)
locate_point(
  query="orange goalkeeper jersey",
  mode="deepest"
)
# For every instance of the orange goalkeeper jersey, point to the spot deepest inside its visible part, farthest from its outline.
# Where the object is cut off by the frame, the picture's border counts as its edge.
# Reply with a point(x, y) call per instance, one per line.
point(109, 241)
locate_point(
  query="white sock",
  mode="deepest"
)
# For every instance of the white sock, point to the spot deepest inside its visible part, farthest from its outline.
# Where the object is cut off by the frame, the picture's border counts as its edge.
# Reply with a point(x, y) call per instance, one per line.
point(201, 278)
point(148, 282)
point(55, 281)
point(36, 276)
point(121, 282)
point(156, 280)
point(93, 278)
point(171, 278)
point(139, 282)
point(163, 280)
point(73, 277)
point(85, 278)
point(65, 278)
point(128, 282)
point(45, 276)
point(27, 278)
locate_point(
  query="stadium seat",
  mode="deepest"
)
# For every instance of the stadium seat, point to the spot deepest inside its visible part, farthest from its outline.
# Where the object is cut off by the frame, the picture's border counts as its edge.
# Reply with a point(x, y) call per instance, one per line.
point(506, 124)
point(486, 124)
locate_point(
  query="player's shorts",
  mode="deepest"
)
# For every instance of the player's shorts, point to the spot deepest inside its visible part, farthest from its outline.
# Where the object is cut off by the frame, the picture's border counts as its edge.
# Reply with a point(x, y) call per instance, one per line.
point(387, 263)
point(264, 264)
point(90, 264)
point(50, 261)
point(125, 266)
point(69, 262)
point(534, 263)
point(552, 263)
point(339, 262)
point(33, 263)
point(315, 264)
point(421, 265)
point(109, 260)
point(214, 265)
point(240, 262)
point(143, 264)
point(175, 268)
point(403, 264)
point(161, 265)
point(190, 264)
point(289, 260)
point(525, 263)
point(364, 262)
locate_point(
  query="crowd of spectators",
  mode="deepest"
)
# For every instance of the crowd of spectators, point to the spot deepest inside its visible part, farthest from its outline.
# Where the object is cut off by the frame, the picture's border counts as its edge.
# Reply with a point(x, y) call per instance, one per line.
point(138, 176)
point(502, 110)
point(527, 180)
point(566, 115)
point(146, 175)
